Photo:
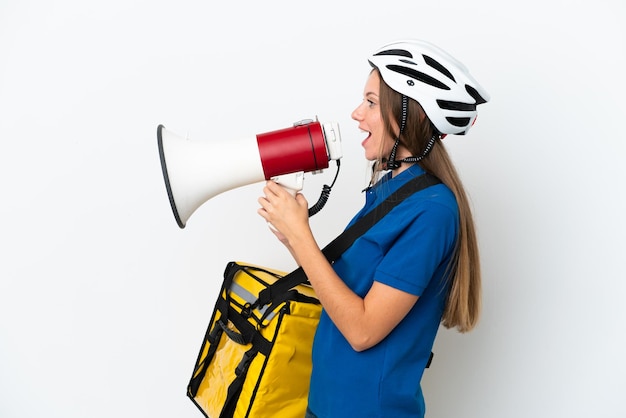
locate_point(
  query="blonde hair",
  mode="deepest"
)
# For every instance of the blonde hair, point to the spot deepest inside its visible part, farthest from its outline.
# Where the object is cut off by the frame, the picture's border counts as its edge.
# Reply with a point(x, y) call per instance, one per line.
point(463, 303)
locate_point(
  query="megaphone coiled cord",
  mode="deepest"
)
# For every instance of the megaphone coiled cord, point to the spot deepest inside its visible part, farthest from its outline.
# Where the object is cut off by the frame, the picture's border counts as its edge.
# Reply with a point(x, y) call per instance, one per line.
point(321, 202)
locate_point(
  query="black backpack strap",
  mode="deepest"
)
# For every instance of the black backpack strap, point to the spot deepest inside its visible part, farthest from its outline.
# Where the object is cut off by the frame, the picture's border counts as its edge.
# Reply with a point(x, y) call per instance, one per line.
point(430, 359)
point(340, 244)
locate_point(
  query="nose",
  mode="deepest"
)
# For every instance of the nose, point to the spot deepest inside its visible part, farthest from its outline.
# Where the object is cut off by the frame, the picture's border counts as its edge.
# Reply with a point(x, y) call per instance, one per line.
point(357, 114)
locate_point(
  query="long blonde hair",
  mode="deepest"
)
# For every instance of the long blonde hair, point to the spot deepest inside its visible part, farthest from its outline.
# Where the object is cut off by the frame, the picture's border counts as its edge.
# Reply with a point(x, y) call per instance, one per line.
point(463, 303)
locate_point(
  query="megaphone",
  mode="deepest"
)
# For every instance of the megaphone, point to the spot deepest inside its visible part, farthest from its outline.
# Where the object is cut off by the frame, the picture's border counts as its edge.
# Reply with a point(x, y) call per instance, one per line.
point(196, 171)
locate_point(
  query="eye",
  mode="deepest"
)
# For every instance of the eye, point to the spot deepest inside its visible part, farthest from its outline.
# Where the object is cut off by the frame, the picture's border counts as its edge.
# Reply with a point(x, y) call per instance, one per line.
point(370, 103)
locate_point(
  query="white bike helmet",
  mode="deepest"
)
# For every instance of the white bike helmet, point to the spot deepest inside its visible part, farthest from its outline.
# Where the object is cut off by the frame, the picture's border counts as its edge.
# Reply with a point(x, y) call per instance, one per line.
point(437, 81)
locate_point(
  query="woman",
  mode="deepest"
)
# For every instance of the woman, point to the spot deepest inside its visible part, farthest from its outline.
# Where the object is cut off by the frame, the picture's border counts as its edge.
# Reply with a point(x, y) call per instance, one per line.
point(384, 298)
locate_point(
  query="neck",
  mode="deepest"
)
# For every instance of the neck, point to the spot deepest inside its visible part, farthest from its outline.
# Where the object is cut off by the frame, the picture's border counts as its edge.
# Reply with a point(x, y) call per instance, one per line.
point(403, 167)
point(401, 155)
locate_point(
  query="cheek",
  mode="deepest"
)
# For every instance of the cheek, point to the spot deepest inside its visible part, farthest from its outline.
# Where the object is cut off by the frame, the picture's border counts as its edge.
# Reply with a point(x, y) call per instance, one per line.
point(387, 146)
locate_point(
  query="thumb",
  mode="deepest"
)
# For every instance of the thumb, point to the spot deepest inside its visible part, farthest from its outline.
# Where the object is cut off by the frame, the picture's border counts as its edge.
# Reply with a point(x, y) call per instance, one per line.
point(301, 200)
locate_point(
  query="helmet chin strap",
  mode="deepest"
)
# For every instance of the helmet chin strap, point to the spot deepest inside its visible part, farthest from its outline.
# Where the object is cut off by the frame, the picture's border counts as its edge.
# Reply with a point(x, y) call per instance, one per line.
point(392, 163)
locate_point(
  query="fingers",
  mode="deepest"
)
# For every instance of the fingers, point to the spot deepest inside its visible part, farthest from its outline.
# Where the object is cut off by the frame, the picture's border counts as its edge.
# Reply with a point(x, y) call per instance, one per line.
point(278, 206)
point(272, 189)
point(269, 200)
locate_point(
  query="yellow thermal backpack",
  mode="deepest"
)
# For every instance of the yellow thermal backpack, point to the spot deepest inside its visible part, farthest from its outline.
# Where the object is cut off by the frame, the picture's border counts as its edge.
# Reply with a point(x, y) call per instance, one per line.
point(256, 360)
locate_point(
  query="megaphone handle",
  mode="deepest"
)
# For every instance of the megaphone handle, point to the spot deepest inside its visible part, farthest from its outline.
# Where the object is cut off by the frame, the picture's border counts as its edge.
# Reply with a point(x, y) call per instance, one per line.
point(292, 182)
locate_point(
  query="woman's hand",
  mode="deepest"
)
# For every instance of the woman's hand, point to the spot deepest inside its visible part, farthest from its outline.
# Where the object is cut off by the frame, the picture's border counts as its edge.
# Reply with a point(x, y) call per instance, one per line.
point(287, 215)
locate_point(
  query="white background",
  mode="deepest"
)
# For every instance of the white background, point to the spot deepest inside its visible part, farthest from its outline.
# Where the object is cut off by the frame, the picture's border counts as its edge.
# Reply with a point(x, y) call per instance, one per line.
point(104, 300)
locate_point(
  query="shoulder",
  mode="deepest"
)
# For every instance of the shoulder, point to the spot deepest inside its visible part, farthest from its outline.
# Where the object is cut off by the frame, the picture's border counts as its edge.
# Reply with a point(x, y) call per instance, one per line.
point(428, 217)
point(435, 197)
point(434, 202)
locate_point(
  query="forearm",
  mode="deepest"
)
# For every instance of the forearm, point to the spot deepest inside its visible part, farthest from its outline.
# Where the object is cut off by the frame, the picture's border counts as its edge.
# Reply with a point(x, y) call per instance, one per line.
point(345, 308)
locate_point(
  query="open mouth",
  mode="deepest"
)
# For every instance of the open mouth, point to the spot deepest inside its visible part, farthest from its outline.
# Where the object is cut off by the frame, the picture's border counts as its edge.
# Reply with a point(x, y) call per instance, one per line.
point(369, 134)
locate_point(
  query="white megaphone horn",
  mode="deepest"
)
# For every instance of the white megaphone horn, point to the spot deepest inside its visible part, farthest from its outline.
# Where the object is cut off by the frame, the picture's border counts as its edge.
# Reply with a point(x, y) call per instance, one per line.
point(194, 172)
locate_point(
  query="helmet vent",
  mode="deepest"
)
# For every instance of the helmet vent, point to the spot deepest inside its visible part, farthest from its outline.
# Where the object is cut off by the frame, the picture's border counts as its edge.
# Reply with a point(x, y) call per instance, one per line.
point(449, 105)
point(418, 75)
point(460, 122)
point(472, 92)
point(398, 52)
point(437, 66)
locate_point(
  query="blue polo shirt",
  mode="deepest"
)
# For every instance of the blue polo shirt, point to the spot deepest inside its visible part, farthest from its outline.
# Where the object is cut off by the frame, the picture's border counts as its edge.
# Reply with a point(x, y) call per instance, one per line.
point(409, 249)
